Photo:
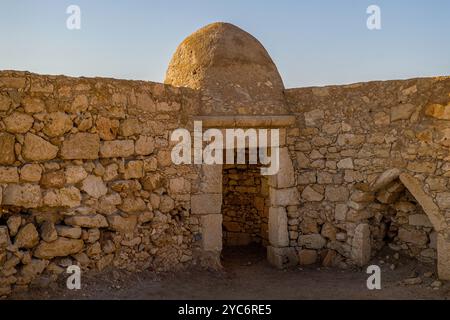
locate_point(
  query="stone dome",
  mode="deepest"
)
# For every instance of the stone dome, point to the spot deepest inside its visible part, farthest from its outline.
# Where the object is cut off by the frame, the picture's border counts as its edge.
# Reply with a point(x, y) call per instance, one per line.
point(232, 69)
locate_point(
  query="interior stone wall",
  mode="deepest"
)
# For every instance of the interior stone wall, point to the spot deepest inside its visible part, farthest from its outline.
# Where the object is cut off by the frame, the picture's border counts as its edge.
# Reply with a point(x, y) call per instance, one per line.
point(244, 208)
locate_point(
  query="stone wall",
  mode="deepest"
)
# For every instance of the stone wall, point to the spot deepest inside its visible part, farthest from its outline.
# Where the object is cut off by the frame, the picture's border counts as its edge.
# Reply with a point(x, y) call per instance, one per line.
point(86, 176)
point(351, 144)
point(245, 211)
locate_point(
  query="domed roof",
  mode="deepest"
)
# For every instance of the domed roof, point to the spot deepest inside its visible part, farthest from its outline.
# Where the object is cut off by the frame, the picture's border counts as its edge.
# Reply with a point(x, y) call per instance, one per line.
point(232, 69)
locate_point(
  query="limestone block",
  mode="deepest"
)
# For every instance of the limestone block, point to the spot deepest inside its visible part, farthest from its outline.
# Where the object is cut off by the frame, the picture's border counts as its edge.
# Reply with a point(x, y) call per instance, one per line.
point(307, 257)
point(336, 194)
point(75, 174)
point(278, 227)
point(27, 237)
point(438, 111)
point(107, 128)
point(57, 124)
point(68, 232)
point(345, 164)
point(87, 221)
point(18, 122)
point(145, 145)
point(5, 241)
point(48, 231)
point(420, 220)
point(62, 247)
point(7, 154)
point(25, 195)
point(122, 224)
point(413, 236)
point(311, 195)
point(443, 260)
point(31, 173)
point(117, 149)
point(211, 179)
point(282, 258)
point(361, 246)
point(94, 186)
point(284, 197)
point(37, 149)
point(211, 226)
point(312, 241)
point(9, 175)
point(443, 200)
point(206, 204)
point(313, 118)
point(285, 178)
point(402, 112)
point(81, 146)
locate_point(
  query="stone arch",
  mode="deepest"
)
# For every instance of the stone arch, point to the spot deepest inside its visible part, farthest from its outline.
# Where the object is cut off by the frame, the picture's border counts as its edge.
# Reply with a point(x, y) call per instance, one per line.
point(361, 242)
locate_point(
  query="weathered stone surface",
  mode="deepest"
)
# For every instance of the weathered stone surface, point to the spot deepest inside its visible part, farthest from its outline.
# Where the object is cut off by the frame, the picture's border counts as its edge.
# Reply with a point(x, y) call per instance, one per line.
point(133, 204)
point(285, 178)
point(144, 145)
point(443, 261)
point(14, 222)
point(313, 117)
point(122, 224)
point(361, 247)
point(284, 197)
point(438, 111)
point(130, 127)
point(81, 146)
point(402, 112)
point(312, 241)
point(87, 221)
point(33, 105)
point(9, 175)
point(413, 236)
point(69, 232)
point(107, 128)
point(48, 231)
point(37, 149)
point(94, 186)
point(75, 174)
point(66, 197)
point(419, 220)
point(27, 237)
point(307, 257)
point(7, 155)
point(282, 257)
point(53, 179)
point(278, 227)
point(62, 247)
point(211, 225)
point(311, 195)
point(25, 195)
point(117, 149)
point(57, 124)
point(206, 204)
point(5, 240)
point(443, 200)
point(31, 173)
point(166, 205)
point(18, 122)
point(336, 194)
point(134, 170)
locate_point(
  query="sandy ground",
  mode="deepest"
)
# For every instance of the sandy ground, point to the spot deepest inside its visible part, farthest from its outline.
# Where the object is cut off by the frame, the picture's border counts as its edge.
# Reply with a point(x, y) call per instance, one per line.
point(247, 275)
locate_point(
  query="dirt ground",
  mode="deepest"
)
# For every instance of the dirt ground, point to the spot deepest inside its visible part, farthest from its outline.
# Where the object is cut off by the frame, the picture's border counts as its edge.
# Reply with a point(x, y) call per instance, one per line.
point(247, 275)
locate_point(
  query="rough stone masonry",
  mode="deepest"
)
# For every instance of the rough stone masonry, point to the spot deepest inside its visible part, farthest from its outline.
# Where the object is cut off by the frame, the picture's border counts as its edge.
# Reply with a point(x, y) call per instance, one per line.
point(86, 175)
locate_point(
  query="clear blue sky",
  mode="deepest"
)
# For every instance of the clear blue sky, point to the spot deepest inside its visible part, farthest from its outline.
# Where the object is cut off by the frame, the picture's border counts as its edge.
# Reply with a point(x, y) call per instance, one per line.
point(315, 42)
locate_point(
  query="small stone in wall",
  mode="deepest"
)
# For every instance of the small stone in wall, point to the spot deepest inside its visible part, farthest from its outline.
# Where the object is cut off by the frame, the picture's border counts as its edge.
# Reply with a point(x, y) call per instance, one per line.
point(134, 170)
point(26, 195)
point(133, 204)
point(87, 221)
point(4, 237)
point(33, 105)
point(107, 128)
point(313, 118)
point(345, 164)
point(145, 145)
point(14, 222)
point(413, 236)
point(18, 122)
point(307, 257)
point(312, 241)
point(31, 173)
point(130, 127)
point(81, 146)
point(48, 231)
point(55, 179)
point(27, 237)
point(117, 149)
point(122, 224)
point(94, 186)
point(62, 247)
point(56, 124)
point(438, 111)
point(75, 174)
point(7, 153)
point(37, 149)
point(402, 112)
point(9, 175)
point(69, 232)
point(336, 194)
